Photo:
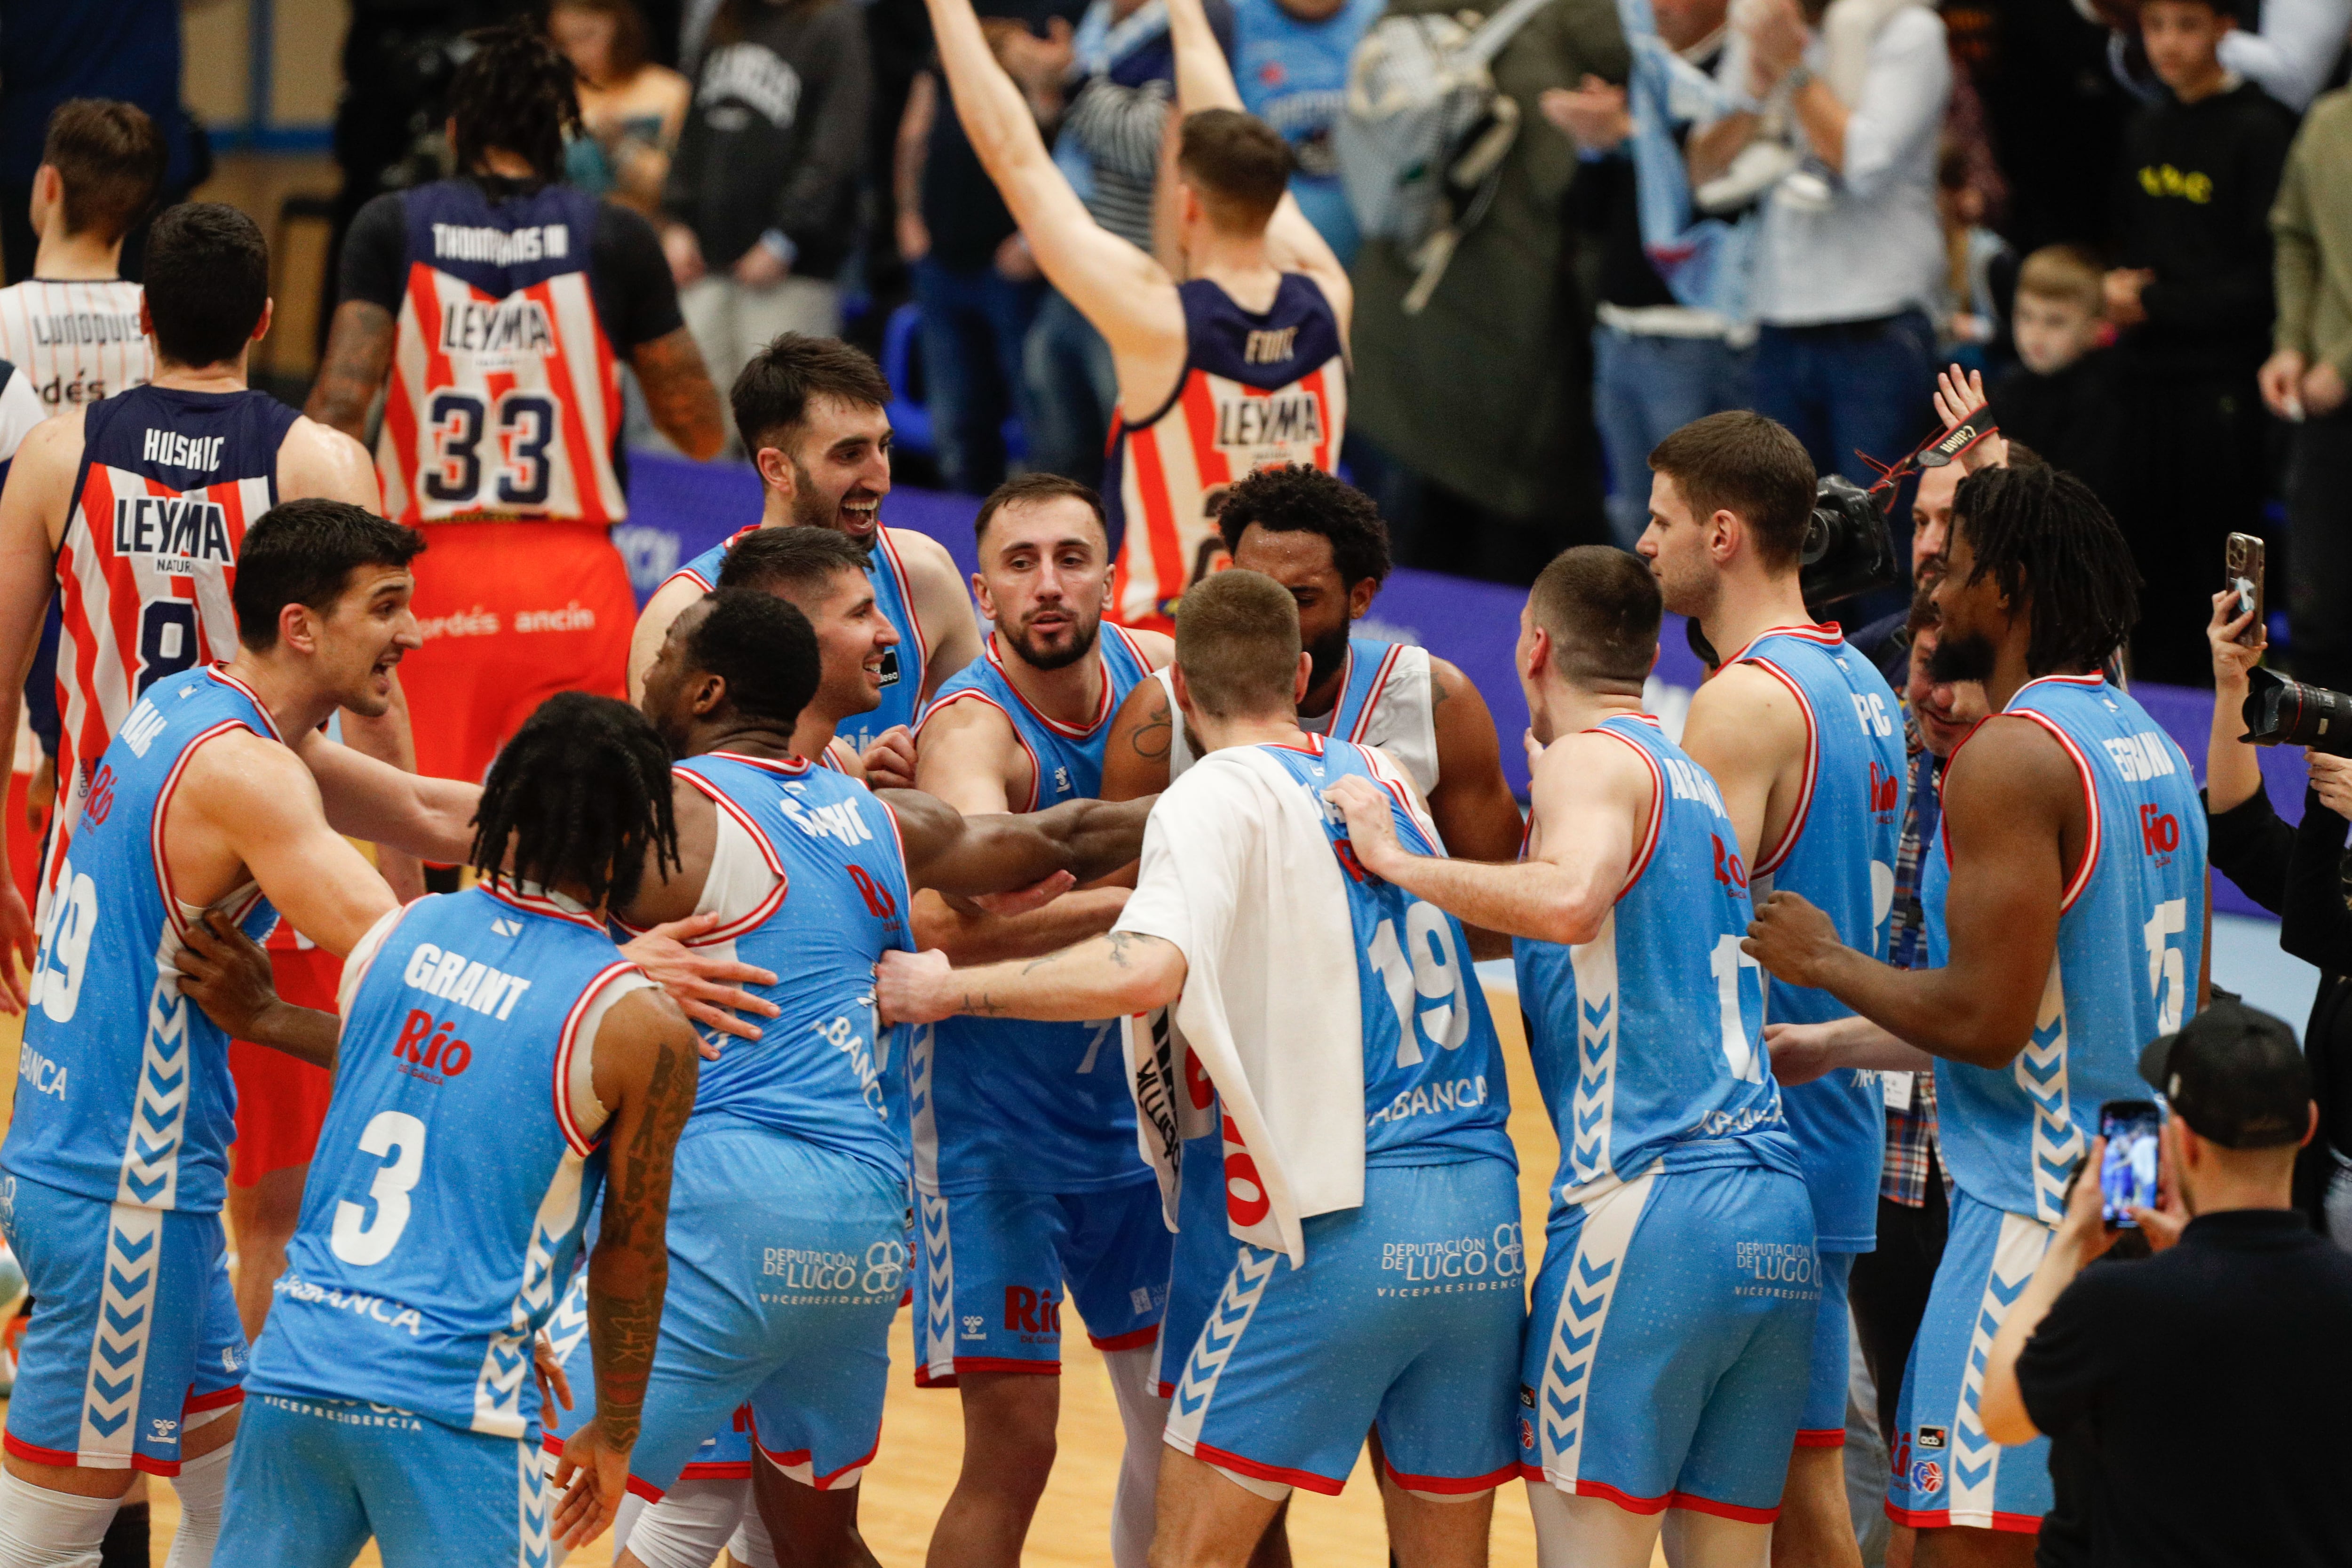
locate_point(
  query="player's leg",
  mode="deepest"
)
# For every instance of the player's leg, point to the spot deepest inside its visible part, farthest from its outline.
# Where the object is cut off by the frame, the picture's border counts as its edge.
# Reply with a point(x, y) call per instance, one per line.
point(688, 1527)
point(1816, 1528)
point(294, 1483)
point(1210, 1516)
point(212, 1405)
point(263, 1214)
point(1970, 1500)
point(989, 1295)
point(1114, 1252)
point(1589, 1531)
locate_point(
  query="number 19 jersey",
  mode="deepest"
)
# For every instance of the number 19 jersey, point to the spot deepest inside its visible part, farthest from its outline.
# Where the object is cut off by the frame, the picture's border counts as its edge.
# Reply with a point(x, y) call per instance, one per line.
point(2131, 933)
point(458, 1164)
point(1648, 1040)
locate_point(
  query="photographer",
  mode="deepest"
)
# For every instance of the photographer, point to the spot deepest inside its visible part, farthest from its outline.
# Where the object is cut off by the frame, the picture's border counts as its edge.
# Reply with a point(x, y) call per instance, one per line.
point(2297, 873)
point(2206, 1381)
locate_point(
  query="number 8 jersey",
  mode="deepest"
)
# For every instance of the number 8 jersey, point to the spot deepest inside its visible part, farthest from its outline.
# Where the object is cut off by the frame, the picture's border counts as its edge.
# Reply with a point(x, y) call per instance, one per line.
point(505, 395)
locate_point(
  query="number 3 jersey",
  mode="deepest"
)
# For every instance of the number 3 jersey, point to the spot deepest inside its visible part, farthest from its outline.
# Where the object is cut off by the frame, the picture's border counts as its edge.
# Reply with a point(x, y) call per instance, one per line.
point(169, 482)
point(1648, 1040)
point(2131, 933)
point(458, 1161)
point(510, 302)
point(123, 1091)
point(1005, 1105)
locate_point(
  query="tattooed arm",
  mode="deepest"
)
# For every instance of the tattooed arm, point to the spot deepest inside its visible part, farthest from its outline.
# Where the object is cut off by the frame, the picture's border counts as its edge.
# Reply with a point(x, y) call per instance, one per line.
point(1107, 977)
point(679, 394)
point(1135, 757)
point(645, 1073)
point(358, 353)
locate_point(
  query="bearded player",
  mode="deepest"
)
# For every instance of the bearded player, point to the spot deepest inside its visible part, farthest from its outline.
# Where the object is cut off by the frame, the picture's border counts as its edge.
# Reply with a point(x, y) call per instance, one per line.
point(2067, 919)
point(1029, 1186)
point(1239, 361)
point(493, 310)
point(814, 415)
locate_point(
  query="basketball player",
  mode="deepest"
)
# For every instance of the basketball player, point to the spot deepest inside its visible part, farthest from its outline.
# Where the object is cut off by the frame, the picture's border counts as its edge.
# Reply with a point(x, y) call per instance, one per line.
point(1300, 982)
point(217, 793)
point(1804, 739)
point(1665, 1362)
point(789, 1212)
point(2067, 923)
point(1324, 540)
point(814, 415)
point(73, 326)
point(452, 1189)
point(493, 310)
point(1239, 362)
point(1031, 1196)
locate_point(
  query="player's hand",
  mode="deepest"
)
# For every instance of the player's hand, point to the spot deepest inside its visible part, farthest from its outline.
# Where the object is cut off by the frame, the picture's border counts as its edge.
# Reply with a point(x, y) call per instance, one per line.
point(914, 987)
point(1371, 831)
point(889, 761)
point(18, 945)
point(1958, 395)
point(1792, 939)
point(2281, 383)
point(1801, 1052)
point(1021, 901)
point(226, 973)
point(704, 984)
point(554, 1382)
point(2232, 658)
point(592, 1474)
point(2331, 780)
point(2083, 1227)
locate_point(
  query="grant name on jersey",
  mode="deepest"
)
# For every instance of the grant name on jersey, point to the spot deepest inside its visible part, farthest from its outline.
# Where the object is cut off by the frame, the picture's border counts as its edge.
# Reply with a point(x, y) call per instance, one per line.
point(180, 535)
point(460, 980)
point(501, 247)
point(1287, 419)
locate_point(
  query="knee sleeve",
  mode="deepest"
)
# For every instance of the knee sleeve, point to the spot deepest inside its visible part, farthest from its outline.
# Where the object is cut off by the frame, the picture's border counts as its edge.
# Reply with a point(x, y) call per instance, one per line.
point(1588, 1531)
point(689, 1526)
point(202, 1484)
point(1273, 1491)
point(42, 1529)
point(1145, 1415)
point(751, 1546)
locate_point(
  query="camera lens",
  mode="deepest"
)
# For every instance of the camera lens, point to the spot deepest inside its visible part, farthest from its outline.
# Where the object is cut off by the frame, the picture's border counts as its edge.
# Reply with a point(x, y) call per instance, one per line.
point(2282, 712)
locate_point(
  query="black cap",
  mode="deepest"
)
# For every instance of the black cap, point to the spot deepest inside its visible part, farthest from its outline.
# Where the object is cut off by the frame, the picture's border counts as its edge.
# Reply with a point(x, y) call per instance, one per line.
point(2235, 1075)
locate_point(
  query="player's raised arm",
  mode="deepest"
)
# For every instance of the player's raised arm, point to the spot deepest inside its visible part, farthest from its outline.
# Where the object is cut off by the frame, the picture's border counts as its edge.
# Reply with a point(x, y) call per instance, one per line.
point(2006, 801)
point(1114, 285)
point(1205, 80)
point(644, 1072)
point(1591, 794)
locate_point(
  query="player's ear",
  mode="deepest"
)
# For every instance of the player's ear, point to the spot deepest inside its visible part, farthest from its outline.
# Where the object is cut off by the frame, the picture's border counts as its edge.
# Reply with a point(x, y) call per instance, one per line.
point(708, 693)
point(775, 469)
point(1361, 596)
point(261, 327)
point(1306, 675)
point(297, 628)
point(1183, 688)
point(146, 320)
point(1724, 532)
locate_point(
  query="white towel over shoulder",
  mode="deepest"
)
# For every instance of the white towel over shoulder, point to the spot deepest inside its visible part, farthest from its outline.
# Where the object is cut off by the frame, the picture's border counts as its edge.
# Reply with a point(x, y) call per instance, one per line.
point(1237, 872)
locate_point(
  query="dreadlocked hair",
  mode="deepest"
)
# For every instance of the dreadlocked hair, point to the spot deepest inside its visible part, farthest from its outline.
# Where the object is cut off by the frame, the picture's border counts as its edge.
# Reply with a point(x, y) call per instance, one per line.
point(578, 796)
point(2042, 536)
point(515, 92)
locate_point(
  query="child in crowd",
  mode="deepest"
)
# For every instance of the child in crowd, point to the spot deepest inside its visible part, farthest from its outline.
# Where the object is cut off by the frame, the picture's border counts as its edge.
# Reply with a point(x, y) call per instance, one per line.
point(2058, 399)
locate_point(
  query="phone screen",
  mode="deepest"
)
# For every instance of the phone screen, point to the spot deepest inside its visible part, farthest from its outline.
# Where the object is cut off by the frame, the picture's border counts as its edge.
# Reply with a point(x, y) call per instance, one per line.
point(2127, 1174)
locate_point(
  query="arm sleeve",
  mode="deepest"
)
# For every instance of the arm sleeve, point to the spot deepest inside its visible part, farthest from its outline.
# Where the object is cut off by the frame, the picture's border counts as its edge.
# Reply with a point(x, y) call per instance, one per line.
point(1119, 127)
point(809, 208)
point(2064, 1367)
point(1903, 100)
point(638, 299)
point(375, 253)
point(2252, 847)
point(2241, 295)
point(2315, 925)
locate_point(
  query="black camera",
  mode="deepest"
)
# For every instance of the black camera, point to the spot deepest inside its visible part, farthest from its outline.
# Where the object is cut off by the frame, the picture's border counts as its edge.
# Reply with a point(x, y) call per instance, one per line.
point(1848, 547)
point(2282, 712)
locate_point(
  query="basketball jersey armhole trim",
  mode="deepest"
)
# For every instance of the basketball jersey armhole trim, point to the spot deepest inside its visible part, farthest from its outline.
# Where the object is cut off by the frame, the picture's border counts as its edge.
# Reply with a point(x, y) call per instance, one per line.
point(1778, 856)
point(775, 864)
point(906, 877)
point(2080, 879)
point(173, 917)
point(973, 694)
point(578, 1140)
point(364, 952)
point(1651, 831)
point(1373, 693)
point(906, 598)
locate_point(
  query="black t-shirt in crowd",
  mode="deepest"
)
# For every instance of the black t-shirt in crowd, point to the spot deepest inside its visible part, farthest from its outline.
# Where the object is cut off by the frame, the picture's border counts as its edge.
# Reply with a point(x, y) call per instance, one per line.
point(966, 216)
point(627, 275)
point(2208, 1383)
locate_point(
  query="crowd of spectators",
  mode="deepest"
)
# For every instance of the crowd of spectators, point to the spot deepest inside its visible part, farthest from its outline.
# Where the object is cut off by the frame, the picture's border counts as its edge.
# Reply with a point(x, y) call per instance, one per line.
point(1802, 207)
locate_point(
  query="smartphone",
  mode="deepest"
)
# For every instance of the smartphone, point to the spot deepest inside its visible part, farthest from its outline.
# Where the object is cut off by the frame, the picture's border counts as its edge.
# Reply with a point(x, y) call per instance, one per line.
point(2243, 574)
point(2127, 1174)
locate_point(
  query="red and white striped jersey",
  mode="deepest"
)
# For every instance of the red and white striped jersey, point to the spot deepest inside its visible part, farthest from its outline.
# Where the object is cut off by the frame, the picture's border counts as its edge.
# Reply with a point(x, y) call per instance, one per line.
point(505, 396)
point(169, 482)
point(1257, 391)
point(75, 340)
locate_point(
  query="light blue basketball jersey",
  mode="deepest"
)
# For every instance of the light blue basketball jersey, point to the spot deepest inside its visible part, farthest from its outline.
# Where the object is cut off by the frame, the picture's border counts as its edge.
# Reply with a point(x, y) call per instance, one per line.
point(446, 1199)
point(1293, 74)
point(123, 1091)
point(902, 667)
point(1648, 1040)
point(1434, 1084)
point(1004, 1104)
point(1838, 853)
point(2131, 935)
point(822, 1070)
